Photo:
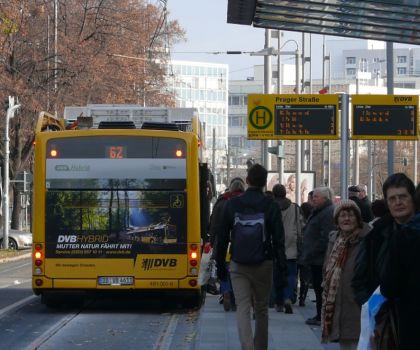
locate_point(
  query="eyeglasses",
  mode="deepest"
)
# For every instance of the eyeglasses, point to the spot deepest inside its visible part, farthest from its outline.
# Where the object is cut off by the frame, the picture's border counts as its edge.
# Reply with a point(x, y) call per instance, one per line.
point(404, 197)
point(344, 215)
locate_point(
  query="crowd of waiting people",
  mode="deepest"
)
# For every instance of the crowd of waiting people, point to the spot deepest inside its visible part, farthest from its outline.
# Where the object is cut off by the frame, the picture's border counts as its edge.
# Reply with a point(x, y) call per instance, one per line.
point(344, 249)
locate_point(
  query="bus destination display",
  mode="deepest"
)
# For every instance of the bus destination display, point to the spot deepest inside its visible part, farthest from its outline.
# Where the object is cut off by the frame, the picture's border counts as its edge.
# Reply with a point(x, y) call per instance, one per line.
point(292, 117)
point(305, 120)
point(385, 122)
point(384, 117)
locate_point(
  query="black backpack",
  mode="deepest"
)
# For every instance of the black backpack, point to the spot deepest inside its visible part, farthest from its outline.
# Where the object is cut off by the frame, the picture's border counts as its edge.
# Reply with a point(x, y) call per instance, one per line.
point(248, 241)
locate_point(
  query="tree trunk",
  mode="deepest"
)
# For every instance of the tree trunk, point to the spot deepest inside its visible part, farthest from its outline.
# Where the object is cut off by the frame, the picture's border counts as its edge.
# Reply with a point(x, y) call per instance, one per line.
point(17, 208)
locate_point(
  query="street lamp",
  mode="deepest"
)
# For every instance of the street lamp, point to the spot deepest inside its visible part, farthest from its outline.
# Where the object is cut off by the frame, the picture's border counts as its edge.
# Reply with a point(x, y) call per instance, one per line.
point(10, 114)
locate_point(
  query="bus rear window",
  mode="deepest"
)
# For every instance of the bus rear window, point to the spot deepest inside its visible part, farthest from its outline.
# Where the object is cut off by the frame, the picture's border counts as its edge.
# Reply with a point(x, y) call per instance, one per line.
point(116, 162)
point(116, 147)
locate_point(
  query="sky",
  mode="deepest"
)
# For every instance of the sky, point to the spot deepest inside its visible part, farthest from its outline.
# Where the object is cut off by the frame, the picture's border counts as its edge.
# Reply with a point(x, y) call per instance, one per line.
point(207, 31)
point(205, 22)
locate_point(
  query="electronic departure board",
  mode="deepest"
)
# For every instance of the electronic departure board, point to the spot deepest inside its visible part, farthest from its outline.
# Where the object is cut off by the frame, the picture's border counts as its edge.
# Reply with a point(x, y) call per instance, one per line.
point(384, 117)
point(293, 117)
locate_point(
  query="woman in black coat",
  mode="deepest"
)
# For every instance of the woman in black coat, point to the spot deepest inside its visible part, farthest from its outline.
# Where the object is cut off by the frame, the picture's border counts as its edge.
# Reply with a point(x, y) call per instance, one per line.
point(401, 280)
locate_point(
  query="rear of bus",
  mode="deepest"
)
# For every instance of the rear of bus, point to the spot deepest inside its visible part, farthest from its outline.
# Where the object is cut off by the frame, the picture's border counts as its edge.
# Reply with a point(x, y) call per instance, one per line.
point(116, 210)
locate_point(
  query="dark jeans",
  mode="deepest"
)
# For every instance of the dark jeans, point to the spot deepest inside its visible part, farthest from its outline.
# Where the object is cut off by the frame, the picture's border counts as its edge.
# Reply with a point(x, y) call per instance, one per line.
point(279, 294)
point(226, 286)
point(316, 271)
point(304, 278)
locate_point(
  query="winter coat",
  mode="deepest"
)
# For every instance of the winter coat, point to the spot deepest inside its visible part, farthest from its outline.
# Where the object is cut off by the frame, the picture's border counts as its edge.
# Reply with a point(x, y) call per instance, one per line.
point(346, 319)
point(254, 198)
point(401, 281)
point(366, 209)
point(216, 214)
point(316, 233)
point(292, 224)
point(371, 258)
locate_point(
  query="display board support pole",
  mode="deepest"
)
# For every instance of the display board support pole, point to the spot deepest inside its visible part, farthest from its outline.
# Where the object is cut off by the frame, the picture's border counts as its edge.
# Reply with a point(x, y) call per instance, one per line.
point(344, 164)
point(390, 91)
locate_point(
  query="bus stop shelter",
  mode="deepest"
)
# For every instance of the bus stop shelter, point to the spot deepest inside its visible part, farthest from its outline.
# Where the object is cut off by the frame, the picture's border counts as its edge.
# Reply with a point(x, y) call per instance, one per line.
point(386, 20)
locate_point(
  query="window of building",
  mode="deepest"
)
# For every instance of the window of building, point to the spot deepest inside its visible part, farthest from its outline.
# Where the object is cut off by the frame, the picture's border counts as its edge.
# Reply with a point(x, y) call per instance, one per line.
point(401, 59)
point(235, 120)
point(401, 70)
point(351, 71)
point(234, 141)
point(234, 100)
point(350, 60)
point(376, 60)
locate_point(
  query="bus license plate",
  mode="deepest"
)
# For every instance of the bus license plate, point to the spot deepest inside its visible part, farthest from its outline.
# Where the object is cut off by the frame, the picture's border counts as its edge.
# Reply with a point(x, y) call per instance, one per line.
point(115, 281)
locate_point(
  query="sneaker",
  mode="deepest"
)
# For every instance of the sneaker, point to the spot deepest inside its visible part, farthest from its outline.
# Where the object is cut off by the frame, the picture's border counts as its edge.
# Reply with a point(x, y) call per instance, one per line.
point(226, 301)
point(288, 306)
point(302, 302)
point(278, 308)
point(314, 321)
point(233, 307)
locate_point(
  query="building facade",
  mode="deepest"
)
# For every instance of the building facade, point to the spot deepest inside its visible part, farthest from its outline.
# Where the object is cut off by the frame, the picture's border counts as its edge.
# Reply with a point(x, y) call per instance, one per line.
point(204, 86)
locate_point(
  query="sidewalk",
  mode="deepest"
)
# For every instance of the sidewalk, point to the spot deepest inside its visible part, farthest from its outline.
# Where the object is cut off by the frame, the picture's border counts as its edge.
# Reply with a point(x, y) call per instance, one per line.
point(218, 329)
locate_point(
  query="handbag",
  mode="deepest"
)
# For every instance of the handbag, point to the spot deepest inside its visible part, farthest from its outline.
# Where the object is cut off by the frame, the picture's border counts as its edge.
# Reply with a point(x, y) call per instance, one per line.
point(204, 273)
point(386, 332)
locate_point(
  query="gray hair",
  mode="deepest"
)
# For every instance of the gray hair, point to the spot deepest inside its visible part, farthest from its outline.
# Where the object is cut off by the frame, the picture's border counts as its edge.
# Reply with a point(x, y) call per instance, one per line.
point(237, 185)
point(362, 187)
point(326, 192)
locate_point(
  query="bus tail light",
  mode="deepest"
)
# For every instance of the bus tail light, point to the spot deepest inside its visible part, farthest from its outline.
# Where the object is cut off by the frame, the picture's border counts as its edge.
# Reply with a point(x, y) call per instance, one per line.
point(38, 255)
point(193, 254)
point(38, 282)
point(193, 283)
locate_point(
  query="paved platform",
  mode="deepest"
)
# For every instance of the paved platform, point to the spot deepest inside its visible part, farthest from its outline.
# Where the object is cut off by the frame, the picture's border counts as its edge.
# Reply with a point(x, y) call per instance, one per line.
point(218, 329)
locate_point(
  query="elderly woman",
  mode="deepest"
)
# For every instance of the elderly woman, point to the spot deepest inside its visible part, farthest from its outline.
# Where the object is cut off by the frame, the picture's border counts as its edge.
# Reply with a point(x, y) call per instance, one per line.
point(340, 317)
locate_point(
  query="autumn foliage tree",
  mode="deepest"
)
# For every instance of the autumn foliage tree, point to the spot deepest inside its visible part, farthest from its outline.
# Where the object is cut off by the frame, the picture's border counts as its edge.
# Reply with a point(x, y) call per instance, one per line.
point(107, 51)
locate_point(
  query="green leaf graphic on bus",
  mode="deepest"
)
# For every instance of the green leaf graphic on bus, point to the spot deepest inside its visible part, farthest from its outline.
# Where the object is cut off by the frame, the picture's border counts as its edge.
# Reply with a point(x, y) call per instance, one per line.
point(62, 167)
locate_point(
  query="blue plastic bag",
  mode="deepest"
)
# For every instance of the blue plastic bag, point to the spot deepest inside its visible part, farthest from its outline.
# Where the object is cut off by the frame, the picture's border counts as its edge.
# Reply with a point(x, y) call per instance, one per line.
point(367, 319)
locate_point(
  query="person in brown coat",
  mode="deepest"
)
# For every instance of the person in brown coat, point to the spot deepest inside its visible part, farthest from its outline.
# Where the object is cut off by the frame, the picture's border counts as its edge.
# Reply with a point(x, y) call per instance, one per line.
point(340, 316)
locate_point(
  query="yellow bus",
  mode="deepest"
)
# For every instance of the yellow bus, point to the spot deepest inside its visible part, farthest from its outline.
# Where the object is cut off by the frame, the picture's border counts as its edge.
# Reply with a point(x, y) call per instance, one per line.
point(117, 209)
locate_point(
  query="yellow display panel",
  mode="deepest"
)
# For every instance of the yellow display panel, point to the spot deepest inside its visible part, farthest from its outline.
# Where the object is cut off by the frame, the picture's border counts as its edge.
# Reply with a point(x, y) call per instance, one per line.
point(293, 117)
point(384, 117)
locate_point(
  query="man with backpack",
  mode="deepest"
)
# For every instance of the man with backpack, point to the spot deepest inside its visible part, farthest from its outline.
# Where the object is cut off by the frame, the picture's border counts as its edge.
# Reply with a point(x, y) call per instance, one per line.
point(252, 223)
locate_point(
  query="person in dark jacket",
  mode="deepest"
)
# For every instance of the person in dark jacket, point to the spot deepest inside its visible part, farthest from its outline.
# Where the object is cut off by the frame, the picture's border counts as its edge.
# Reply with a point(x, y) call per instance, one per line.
point(401, 279)
point(315, 242)
point(363, 204)
point(253, 281)
point(398, 191)
point(292, 224)
point(236, 188)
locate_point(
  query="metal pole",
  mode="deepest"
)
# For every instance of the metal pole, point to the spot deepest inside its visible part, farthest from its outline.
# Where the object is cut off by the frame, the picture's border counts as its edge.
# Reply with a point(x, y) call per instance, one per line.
point(55, 53)
point(322, 141)
point(344, 145)
point(10, 114)
point(265, 156)
point(310, 91)
point(302, 90)
point(370, 169)
point(280, 160)
point(213, 153)
point(390, 91)
point(228, 164)
point(415, 163)
point(298, 142)
point(310, 63)
point(374, 171)
point(355, 178)
point(329, 142)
